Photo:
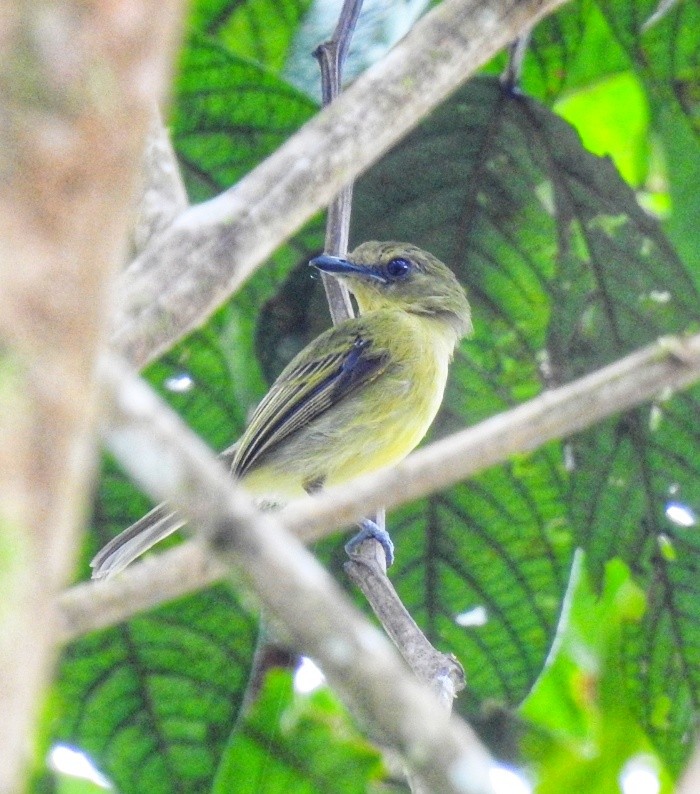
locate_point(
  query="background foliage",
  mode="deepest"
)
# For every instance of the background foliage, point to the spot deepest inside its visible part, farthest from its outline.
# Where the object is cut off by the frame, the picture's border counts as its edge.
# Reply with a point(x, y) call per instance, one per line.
point(570, 212)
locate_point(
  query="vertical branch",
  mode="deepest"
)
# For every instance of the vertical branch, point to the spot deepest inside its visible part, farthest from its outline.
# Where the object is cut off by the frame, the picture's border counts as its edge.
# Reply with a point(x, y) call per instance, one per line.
point(331, 56)
point(510, 79)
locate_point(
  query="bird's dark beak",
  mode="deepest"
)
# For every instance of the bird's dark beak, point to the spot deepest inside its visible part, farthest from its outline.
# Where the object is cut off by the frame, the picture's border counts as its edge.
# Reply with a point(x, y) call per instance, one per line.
point(343, 267)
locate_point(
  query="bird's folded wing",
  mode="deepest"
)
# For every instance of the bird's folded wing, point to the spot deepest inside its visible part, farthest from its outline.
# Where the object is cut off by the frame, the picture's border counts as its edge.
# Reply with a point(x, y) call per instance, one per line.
point(332, 367)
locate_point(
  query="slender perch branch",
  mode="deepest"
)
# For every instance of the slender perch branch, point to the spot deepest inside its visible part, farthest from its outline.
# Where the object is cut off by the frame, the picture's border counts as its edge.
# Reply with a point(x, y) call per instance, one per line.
point(440, 671)
point(367, 567)
point(637, 378)
point(331, 57)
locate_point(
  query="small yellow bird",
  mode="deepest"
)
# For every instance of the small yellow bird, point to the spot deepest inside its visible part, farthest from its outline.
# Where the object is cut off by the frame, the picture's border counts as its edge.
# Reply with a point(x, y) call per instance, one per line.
point(358, 398)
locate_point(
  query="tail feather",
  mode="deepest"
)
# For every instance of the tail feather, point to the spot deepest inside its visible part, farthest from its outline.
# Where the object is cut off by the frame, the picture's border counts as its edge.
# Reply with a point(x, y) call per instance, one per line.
point(135, 540)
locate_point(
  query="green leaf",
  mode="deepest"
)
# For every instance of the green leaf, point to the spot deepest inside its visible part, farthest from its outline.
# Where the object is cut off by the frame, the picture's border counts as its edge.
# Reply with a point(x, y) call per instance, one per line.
point(664, 50)
point(260, 31)
point(588, 737)
point(681, 150)
point(666, 55)
point(230, 114)
point(306, 743)
point(621, 285)
point(152, 701)
point(612, 118)
point(572, 50)
point(587, 43)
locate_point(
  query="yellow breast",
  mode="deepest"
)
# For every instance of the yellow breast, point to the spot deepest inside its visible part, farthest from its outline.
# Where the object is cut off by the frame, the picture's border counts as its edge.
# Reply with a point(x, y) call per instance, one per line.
point(410, 398)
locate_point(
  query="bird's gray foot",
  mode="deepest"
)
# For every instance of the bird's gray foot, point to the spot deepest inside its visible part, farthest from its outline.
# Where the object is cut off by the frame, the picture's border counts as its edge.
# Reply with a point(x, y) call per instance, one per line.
point(369, 529)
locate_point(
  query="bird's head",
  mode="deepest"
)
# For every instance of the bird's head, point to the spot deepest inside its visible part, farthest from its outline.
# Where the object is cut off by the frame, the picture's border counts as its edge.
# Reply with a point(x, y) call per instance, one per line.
point(400, 275)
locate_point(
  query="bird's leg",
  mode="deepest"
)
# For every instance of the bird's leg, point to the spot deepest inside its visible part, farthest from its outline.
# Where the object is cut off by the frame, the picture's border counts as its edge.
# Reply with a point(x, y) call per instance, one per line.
point(370, 530)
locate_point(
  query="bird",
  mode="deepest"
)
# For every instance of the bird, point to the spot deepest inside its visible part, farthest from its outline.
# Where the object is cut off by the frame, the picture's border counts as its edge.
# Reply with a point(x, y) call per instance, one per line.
point(356, 399)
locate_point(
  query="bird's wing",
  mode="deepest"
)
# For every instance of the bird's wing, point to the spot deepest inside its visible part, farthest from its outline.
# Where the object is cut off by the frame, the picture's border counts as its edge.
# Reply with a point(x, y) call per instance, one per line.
point(333, 366)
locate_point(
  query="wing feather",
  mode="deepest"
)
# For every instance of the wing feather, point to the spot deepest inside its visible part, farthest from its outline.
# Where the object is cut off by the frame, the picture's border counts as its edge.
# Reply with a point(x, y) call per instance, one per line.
point(326, 372)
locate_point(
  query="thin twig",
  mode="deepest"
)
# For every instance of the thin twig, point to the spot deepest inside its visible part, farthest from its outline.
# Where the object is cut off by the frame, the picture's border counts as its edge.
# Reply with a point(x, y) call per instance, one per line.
point(440, 671)
point(331, 57)
point(367, 566)
point(670, 364)
point(510, 79)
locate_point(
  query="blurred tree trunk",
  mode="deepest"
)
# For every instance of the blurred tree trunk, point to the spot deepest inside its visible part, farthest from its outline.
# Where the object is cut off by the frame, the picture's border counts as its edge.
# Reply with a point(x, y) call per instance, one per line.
point(77, 86)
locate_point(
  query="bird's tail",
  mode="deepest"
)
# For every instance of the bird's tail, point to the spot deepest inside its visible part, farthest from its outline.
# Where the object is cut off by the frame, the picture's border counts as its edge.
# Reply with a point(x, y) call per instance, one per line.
point(135, 540)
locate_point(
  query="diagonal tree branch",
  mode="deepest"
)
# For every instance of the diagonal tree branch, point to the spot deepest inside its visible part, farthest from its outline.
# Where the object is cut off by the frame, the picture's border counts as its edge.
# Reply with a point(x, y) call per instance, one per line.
point(644, 375)
point(211, 249)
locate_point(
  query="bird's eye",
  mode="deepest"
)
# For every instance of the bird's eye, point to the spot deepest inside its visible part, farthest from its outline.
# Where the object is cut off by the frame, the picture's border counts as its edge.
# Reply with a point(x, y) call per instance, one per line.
point(398, 267)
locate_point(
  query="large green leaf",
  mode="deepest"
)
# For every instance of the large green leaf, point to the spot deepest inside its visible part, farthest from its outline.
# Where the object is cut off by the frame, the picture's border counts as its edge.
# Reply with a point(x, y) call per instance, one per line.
point(571, 50)
point(230, 113)
point(663, 652)
point(590, 41)
point(682, 152)
point(621, 285)
point(588, 739)
point(612, 117)
point(153, 701)
point(665, 49)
